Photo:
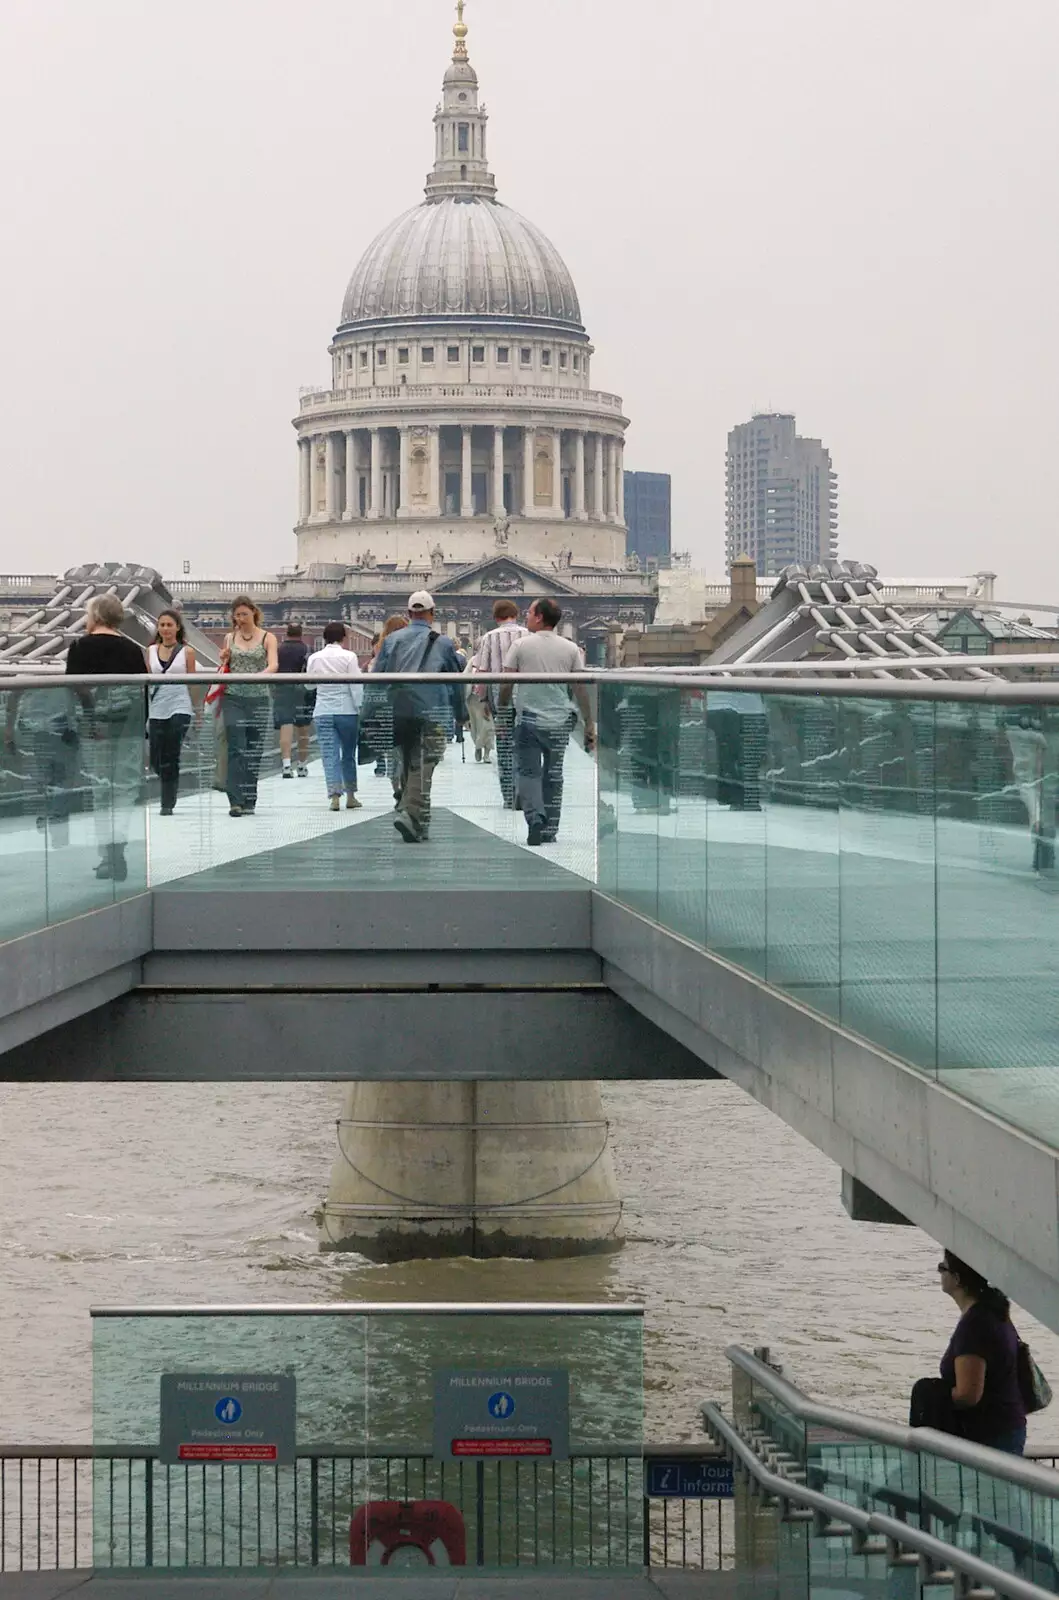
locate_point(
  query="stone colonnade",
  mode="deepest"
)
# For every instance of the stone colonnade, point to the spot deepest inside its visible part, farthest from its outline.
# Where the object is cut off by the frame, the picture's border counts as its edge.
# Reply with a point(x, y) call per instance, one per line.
point(463, 470)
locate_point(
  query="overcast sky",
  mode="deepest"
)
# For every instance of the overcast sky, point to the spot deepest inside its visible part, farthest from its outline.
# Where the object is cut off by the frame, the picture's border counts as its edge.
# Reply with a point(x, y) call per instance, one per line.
point(832, 207)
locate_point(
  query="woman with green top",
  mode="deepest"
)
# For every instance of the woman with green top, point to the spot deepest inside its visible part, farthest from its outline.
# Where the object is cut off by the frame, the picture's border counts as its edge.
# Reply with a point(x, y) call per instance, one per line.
point(249, 648)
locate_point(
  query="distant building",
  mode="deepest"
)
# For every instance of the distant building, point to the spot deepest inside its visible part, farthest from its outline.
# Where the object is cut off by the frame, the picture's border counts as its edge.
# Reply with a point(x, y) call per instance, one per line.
point(781, 504)
point(649, 516)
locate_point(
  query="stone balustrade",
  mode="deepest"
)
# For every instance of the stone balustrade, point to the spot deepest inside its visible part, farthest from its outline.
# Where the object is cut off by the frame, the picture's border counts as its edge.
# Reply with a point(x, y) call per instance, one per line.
point(328, 400)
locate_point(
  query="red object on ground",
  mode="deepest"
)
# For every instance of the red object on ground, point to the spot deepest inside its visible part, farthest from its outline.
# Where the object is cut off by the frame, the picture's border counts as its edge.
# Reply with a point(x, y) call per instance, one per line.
point(501, 1447)
point(386, 1532)
point(227, 1452)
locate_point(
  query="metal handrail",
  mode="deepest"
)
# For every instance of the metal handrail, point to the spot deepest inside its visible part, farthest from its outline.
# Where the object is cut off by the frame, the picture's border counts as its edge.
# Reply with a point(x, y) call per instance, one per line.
point(899, 1534)
point(997, 690)
point(921, 1441)
point(384, 1308)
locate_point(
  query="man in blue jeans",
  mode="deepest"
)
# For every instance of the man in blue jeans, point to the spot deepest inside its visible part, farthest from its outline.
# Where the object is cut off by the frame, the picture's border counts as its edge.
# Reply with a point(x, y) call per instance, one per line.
point(422, 717)
point(545, 716)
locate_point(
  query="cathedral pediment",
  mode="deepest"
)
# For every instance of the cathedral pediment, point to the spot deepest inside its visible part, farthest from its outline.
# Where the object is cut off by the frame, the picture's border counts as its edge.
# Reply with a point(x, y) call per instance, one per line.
point(503, 575)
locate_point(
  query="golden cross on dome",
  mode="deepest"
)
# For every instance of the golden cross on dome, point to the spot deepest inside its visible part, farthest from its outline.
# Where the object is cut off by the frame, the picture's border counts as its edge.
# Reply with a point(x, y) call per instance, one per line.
point(460, 30)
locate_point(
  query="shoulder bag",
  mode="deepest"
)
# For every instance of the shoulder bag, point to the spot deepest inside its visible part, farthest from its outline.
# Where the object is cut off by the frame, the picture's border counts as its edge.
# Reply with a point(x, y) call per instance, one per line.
point(1034, 1387)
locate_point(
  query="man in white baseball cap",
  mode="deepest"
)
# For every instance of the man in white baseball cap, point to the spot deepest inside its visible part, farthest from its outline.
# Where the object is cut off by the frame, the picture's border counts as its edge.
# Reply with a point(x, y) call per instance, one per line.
point(422, 717)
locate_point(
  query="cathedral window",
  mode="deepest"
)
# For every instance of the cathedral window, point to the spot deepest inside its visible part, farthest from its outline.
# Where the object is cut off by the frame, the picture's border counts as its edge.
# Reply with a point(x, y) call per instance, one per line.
point(503, 354)
point(577, 363)
point(562, 359)
point(349, 359)
point(380, 358)
point(478, 354)
point(402, 356)
point(546, 358)
point(427, 355)
point(464, 138)
point(363, 358)
point(454, 355)
point(526, 356)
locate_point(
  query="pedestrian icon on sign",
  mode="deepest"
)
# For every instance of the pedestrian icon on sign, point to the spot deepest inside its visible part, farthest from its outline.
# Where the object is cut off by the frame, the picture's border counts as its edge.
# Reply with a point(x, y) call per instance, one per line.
point(501, 1406)
point(228, 1409)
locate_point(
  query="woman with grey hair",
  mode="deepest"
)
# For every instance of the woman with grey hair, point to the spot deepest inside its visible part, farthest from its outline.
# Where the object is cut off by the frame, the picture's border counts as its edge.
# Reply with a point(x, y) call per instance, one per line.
point(114, 724)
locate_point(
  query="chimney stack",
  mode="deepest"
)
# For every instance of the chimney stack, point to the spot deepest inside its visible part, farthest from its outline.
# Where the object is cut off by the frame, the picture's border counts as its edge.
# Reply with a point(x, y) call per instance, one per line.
point(743, 576)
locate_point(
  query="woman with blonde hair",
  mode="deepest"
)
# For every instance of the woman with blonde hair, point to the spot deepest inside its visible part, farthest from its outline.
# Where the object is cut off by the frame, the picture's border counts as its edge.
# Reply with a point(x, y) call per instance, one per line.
point(249, 648)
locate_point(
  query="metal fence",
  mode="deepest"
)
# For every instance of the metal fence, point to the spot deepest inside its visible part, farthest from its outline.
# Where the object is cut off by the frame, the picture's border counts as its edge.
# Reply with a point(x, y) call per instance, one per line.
point(76, 1506)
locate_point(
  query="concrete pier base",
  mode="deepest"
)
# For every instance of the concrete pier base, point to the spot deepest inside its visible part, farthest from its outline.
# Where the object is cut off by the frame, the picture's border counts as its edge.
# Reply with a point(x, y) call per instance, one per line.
point(475, 1169)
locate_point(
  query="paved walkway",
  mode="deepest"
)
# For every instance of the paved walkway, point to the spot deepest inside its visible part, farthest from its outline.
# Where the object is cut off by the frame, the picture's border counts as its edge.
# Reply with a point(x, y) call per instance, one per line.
point(346, 1586)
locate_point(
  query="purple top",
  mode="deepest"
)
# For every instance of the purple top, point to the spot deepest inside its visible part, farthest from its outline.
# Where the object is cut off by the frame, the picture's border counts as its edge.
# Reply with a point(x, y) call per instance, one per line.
point(1000, 1410)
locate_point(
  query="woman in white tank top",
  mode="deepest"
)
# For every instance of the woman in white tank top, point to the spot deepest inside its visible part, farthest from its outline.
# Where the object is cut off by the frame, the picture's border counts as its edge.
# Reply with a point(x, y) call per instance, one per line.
point(170, 711)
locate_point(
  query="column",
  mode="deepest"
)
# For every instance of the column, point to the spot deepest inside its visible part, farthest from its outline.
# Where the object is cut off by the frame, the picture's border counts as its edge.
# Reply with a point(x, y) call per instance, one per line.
point(466, 486)
point(376, 474)
point(612, 481)
point(557, 473)
point(433, 508)
point(498, 472)
point(598, 489)
point(528, 498)
point(305, 479)
point(405, 475)
point(619, 451)
point(351, 476)
point(579, 475)
point(331, 468)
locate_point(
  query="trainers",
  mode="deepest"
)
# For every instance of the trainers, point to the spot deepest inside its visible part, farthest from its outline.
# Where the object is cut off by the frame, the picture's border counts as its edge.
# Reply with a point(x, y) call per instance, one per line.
point(303, 772)
point(235, 811)
point(288, 771)
point(352, 803)
point(477, 755)
point(336, 802)
point(406, 828)
point(535, 835)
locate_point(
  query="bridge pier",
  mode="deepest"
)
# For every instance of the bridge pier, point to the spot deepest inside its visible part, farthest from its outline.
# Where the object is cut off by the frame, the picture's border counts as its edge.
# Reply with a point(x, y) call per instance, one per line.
point(476, 1169)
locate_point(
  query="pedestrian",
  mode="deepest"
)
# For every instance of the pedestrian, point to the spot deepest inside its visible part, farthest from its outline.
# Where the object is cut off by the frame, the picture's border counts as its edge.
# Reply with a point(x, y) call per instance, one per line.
point(114, 726)
point(249, 648)
point(388, 757)
point(41, 726)
point(292, 711)
point(545, 717)
point(422, 716)
point(490, 656)
point(337, 713)
point(483, 729)
point(980, 1368)
point(169, 707)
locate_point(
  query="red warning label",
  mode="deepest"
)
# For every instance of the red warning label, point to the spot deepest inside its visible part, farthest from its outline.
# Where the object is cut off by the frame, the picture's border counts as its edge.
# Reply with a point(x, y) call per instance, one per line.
point(227, 1452)
point(501, 1447)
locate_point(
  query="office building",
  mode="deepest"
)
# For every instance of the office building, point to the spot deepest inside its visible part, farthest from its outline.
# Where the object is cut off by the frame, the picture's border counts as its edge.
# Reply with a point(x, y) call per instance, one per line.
point(781, 505)
point(649, 517)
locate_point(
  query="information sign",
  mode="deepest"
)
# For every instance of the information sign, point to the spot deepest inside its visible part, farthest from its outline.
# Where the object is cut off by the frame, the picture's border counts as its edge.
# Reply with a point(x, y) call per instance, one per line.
point(248, 1416)
point(703, 1478)
point(505, 1412)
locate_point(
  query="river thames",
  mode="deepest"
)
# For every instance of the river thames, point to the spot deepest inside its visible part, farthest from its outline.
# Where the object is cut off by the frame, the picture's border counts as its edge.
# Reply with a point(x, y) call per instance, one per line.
point(117, 1194)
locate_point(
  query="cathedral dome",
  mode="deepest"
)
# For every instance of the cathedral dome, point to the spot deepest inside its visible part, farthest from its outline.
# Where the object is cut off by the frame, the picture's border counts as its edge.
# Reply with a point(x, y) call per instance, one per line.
point(462, 255)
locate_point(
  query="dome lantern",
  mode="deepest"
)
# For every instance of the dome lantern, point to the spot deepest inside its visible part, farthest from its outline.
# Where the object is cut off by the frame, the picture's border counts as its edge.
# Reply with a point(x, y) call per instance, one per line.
point(460, 166)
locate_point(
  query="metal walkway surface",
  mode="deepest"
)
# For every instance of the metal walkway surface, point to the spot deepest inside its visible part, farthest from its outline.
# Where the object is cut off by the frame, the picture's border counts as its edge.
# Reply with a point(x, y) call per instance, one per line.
point(329, 1586)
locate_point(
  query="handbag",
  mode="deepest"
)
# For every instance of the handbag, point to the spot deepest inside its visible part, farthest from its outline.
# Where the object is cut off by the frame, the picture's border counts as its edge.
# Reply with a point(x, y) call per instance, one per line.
point(1034, 1387)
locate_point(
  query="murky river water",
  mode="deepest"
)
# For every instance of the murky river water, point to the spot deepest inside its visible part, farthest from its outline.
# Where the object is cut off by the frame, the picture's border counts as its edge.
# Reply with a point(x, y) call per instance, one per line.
point(138, 1194)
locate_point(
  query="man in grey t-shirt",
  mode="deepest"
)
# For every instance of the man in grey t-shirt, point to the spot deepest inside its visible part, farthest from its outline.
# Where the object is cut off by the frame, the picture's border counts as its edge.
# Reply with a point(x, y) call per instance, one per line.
point(545, 715)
